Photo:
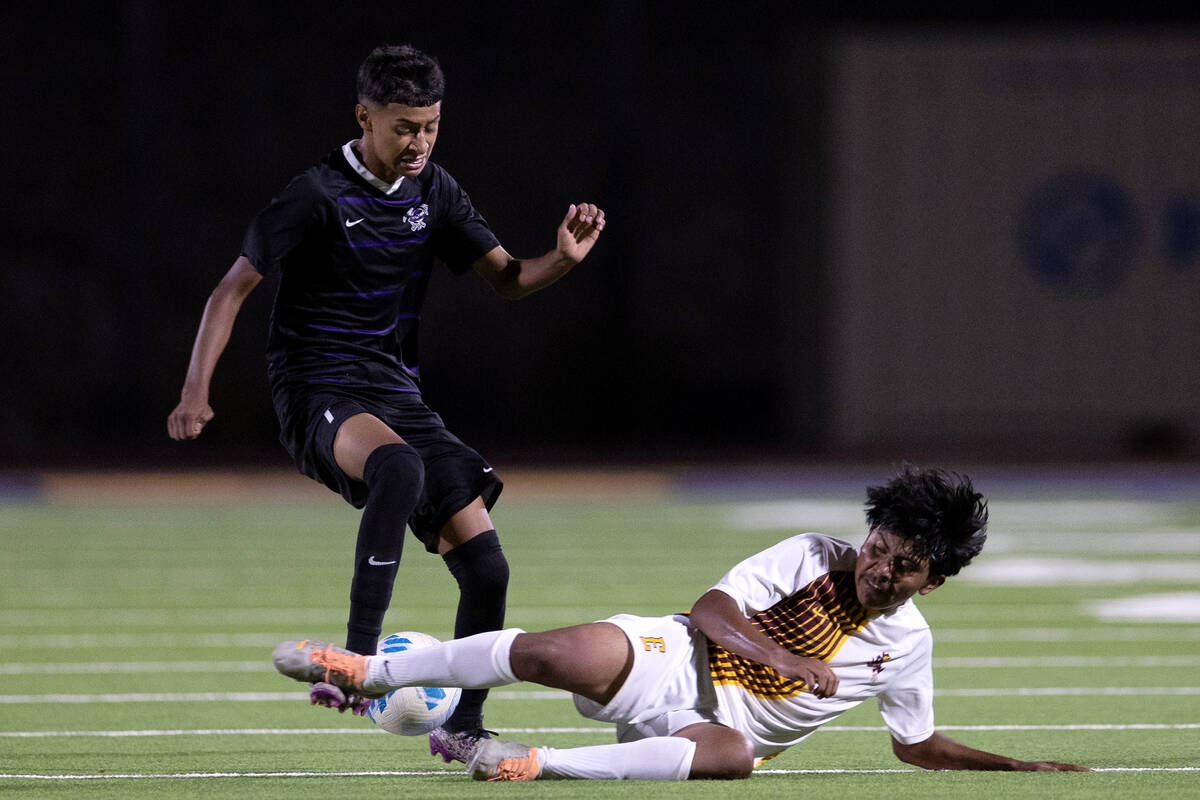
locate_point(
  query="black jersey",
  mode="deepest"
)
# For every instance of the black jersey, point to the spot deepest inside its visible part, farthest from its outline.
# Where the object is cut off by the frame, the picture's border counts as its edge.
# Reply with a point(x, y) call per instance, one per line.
point(354, 257)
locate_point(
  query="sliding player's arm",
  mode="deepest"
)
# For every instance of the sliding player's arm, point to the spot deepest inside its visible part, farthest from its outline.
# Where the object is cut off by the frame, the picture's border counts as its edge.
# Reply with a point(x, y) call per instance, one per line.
point(193, 411)
point(717, 615)
point(942, 752)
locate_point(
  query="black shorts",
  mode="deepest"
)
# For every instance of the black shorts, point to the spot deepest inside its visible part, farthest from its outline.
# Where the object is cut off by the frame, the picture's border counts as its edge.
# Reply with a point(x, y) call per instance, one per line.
point(454, 473)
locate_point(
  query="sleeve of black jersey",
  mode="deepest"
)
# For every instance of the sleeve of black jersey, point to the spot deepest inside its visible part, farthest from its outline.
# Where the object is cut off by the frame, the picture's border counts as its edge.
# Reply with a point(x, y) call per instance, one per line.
point(464, 235)
point(282, 225)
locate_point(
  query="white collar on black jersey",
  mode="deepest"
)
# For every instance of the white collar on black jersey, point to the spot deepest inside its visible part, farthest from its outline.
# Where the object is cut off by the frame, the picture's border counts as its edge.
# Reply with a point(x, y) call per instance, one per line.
point(361, 169)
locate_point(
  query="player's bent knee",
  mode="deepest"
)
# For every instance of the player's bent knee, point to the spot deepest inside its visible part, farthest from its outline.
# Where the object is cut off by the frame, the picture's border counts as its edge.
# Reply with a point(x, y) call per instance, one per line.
point(733, 765)
point(722, 754)
point(536, 657)
point(494, 579)
point(735, 769)
point(493, 583)
point(395, 468)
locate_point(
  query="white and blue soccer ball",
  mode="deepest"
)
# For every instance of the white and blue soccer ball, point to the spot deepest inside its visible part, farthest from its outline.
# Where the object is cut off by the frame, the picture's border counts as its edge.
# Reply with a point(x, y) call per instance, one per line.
point(414, 710)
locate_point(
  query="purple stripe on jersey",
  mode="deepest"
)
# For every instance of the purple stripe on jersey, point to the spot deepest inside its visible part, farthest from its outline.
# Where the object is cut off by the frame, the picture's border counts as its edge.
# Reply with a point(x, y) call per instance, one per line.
point(339, 355)
point(380, 293)
point(360, 331)
point(420, 237)
point(364, 332)
point(409, 202)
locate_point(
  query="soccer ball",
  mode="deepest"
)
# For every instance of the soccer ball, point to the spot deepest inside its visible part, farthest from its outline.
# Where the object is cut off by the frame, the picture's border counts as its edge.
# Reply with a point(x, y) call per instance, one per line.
point(413, 710)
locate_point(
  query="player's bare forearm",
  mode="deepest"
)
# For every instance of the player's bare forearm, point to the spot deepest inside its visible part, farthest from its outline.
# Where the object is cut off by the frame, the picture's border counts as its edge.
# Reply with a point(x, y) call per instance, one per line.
point(717, 615)
point(193, 412)
point(523, 277)
point(515, 278)
point(942, 752)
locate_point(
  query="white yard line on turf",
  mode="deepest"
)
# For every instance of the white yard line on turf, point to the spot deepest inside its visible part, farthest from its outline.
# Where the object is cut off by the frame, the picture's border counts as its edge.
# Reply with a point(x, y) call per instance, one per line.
point(101, 668)
point(259, 697)
point(1057, 571)
point(307, 620)
point(1068, 691)
point(1090, 634)
point(108, 641)
point(166, 617)
point(1065, 661)
point(224, 697)
point(194, 775)
point(958, 662)
point(1146, 726)
point(1095, 769)
point(463, 775)
point(1092, 518)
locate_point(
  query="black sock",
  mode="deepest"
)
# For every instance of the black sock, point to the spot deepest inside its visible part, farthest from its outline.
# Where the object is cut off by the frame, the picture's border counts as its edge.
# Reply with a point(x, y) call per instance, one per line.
point(394, 474)
point(481, 570)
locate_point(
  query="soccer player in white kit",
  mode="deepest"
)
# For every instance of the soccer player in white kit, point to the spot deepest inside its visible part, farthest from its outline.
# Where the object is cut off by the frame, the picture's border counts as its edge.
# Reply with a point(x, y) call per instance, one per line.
point(786, 641)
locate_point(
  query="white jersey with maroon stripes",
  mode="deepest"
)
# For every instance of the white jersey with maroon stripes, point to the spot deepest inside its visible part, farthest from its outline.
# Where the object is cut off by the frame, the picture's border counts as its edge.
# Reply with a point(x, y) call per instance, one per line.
point(800, 592)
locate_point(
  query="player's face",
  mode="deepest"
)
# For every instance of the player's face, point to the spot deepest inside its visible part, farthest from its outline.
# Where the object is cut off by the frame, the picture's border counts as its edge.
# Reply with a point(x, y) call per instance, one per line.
point(397, 140)
point(886, 573)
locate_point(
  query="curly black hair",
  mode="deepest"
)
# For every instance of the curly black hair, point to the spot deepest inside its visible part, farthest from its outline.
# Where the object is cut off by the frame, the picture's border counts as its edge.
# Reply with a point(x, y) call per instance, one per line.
point(400, 74)
point(939, 512)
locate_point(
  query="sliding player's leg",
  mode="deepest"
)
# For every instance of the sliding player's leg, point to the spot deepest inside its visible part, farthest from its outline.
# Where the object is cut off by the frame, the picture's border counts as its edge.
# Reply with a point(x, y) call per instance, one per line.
point(593, 661)
point(701, 750)
point(590, 660)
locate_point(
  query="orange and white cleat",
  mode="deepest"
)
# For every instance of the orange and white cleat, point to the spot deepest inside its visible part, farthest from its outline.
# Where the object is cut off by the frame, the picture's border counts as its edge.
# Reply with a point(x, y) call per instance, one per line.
point(313, 661)
point(498, 760)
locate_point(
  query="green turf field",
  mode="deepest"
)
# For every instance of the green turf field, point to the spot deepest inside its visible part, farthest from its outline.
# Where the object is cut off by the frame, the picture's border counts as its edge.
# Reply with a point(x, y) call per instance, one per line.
point(137, 634)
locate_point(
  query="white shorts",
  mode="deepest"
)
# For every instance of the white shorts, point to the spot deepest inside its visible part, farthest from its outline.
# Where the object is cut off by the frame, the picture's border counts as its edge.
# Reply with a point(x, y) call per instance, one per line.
point(669, 686)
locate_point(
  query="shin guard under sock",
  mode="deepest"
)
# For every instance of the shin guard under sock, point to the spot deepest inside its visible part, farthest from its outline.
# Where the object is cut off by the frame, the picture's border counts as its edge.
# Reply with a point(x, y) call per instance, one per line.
point(394, 474)
point(481, 570)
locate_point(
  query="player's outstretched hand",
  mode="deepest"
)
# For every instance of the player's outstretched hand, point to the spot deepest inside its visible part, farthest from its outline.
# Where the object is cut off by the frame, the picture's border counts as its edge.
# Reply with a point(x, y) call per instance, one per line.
point(188, 419)
point(579, 230)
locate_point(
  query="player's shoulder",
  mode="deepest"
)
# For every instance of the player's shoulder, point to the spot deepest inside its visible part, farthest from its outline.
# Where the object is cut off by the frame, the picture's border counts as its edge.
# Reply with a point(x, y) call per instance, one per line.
point(318, 181)
point(832, 552)
point(435, 178)
point(909, 619)
point(332, 175)
point(435, 171)
point(913, 618)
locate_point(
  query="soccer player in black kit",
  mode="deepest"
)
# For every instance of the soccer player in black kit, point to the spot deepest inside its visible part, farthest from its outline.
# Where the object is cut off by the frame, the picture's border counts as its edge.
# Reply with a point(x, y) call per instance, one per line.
point(353, 240)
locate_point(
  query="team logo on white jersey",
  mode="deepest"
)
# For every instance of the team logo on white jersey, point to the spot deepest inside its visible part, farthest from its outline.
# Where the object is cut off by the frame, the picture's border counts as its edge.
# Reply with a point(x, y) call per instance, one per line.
point(416, 217)
point(876, 664)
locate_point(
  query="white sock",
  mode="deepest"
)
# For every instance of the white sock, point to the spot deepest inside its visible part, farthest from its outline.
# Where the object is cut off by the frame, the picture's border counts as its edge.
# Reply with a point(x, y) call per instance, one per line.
point(475, 662)
point(659, 758)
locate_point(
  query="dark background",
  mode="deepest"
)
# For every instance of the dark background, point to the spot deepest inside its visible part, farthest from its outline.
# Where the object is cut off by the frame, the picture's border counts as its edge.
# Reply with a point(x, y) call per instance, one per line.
point(143, 136)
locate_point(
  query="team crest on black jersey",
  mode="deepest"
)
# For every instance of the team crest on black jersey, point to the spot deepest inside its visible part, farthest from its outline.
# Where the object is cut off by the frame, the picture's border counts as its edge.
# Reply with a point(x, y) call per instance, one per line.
point(417, 217)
